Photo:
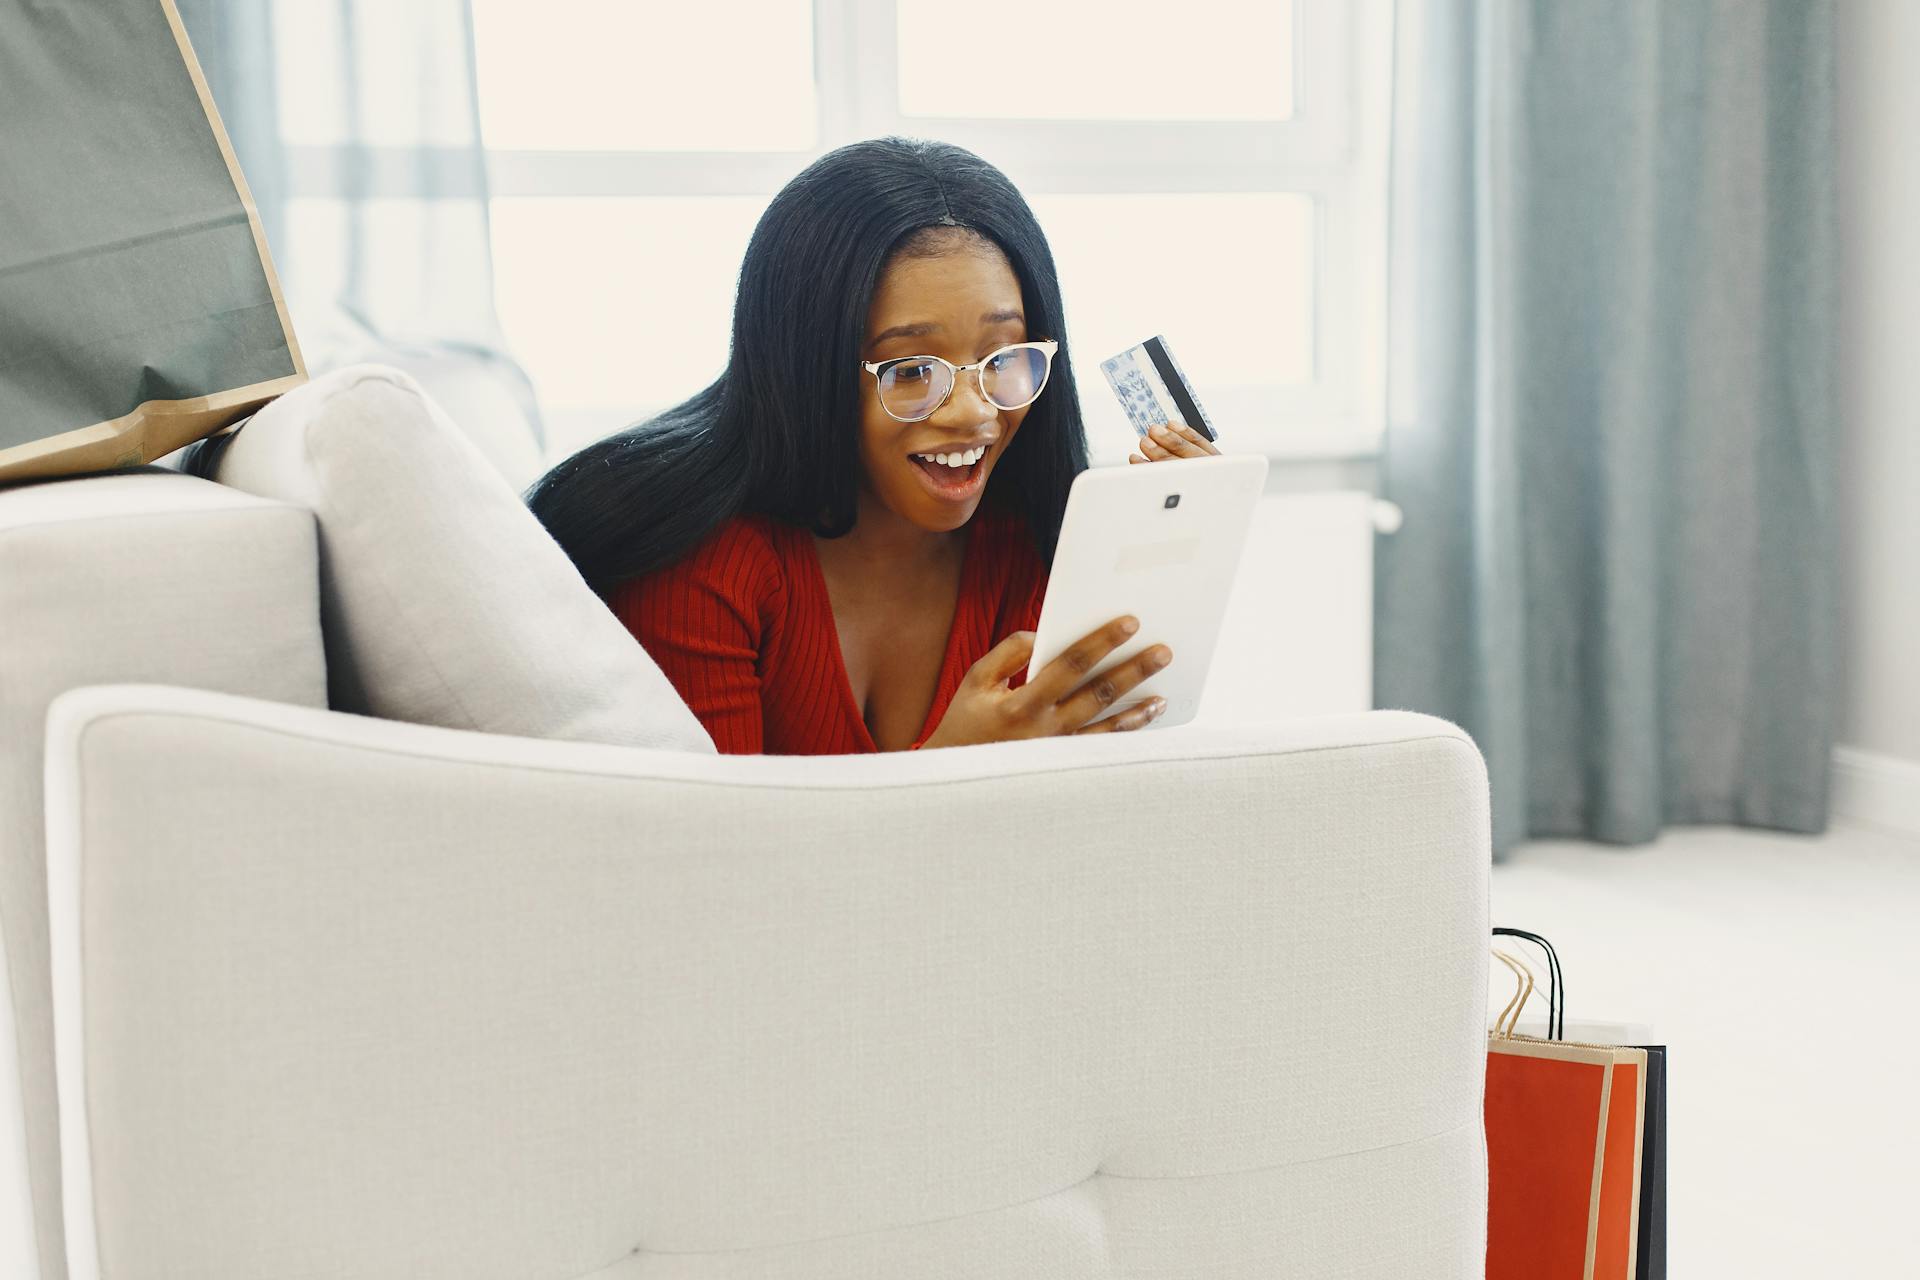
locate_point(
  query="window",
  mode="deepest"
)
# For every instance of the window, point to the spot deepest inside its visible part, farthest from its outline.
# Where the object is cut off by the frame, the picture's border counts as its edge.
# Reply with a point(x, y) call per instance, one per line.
point(1218, 180)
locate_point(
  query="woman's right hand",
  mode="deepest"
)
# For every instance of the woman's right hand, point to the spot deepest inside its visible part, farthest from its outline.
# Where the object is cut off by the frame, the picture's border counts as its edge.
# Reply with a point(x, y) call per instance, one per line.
point(1058, 700)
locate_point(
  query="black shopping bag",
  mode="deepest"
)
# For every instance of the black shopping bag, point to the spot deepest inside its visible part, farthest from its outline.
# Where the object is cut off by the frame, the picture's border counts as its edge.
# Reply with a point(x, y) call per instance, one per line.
point(1651, 1262)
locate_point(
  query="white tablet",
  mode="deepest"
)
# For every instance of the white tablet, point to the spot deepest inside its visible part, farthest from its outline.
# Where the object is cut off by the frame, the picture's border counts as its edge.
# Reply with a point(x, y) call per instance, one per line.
point(1161, 541)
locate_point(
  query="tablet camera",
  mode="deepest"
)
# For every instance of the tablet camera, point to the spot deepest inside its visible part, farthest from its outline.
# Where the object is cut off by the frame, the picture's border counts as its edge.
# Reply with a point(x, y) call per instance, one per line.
point(1173, 500)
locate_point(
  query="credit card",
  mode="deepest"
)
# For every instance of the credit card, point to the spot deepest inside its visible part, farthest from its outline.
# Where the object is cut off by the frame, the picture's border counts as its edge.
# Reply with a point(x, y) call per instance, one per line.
point(1154, 389)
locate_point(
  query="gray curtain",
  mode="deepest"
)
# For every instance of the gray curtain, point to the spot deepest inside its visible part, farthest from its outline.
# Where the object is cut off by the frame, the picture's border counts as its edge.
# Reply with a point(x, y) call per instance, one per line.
point(378, 217)
point(1611, 407)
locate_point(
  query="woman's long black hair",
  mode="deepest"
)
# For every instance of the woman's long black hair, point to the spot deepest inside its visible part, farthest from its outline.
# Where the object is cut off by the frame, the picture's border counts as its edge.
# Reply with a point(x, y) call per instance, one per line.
point(778, 433)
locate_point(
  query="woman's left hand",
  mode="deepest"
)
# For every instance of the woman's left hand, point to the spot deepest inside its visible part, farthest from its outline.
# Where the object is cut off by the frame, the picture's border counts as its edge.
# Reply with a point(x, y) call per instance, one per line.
point(1168, 442)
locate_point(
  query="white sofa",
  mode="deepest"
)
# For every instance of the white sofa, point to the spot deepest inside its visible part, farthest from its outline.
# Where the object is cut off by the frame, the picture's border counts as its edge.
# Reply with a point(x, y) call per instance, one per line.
point(358, 946)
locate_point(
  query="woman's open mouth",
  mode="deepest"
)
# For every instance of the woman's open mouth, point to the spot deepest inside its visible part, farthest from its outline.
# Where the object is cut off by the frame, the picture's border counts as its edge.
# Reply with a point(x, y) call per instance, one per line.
point(954, 484)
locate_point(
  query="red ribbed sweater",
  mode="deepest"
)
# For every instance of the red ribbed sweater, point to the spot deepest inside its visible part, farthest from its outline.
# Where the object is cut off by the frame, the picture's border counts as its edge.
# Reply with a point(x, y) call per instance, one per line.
point(743, 628)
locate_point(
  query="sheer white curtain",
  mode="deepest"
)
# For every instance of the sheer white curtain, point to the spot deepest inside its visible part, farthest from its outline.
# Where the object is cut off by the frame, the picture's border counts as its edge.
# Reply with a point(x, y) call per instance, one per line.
point(357, 125)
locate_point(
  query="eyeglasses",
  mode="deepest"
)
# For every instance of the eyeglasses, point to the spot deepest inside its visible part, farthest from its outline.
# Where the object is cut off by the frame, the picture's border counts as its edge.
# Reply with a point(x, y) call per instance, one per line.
point(914, 387)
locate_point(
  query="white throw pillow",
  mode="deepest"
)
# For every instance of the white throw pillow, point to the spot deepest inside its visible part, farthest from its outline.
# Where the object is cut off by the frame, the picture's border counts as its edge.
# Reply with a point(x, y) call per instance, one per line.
point(443, 600)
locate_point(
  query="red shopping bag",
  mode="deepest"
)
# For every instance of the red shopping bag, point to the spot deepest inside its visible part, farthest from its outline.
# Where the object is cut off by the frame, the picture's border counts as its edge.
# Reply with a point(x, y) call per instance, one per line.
point(1563, 1123)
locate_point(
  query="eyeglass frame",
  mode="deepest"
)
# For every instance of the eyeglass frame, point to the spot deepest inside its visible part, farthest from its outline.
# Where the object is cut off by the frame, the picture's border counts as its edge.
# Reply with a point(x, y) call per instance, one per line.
point(879, 367)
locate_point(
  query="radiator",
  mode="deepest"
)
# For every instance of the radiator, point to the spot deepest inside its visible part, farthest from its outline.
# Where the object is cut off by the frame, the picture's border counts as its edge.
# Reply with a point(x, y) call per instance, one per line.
point(1298, 635)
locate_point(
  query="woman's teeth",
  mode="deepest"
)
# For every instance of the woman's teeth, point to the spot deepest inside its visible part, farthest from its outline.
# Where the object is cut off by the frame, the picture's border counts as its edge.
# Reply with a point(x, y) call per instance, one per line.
point(956, 460)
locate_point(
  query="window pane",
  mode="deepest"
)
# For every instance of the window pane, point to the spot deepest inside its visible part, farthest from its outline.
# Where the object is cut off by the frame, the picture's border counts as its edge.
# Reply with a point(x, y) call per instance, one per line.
point(1227, 279)
point(353, 75)
point(1099, 60)
point(590, 76)
point(407, 261)
point(619, 305)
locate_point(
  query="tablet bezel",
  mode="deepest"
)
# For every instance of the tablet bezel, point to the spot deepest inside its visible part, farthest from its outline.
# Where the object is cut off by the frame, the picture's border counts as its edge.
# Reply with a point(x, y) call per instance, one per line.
point(1180, 602)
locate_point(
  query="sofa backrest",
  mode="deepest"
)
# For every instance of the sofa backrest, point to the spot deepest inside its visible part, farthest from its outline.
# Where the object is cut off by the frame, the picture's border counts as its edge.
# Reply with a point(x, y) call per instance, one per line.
point(480, 390)
point(1195, 1003)
point(145, 575)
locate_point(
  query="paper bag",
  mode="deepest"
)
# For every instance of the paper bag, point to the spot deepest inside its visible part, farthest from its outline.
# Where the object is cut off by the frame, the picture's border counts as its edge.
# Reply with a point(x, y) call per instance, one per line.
point(139, 310)
point(1651, 1233)
point(1563, 1123)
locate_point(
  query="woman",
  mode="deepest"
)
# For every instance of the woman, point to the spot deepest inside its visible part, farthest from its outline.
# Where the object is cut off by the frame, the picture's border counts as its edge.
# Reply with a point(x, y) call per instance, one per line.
point(795, 544)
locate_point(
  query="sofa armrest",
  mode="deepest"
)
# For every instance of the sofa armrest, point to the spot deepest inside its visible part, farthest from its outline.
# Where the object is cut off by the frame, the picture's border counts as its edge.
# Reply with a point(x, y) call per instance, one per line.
point(138, 575)
point(345, 997)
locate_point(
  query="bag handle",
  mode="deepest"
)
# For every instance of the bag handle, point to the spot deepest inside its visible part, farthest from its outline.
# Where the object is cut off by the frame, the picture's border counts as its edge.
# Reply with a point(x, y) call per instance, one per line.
point(1524, 988)
point(1556, 987)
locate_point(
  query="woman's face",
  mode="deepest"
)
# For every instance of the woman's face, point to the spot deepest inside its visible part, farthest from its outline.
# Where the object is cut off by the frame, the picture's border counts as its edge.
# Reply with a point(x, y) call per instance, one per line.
point(961, 305)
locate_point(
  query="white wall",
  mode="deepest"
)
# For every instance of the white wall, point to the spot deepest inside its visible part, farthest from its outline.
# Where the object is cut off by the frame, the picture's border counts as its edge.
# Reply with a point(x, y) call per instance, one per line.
point(1878, 128)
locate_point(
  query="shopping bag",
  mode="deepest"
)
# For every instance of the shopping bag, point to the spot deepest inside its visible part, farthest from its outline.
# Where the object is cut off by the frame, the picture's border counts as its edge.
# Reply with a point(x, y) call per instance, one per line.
point(1564, 1123)
point(1651, 1261)
point(1650, 1228)
point(139, 309)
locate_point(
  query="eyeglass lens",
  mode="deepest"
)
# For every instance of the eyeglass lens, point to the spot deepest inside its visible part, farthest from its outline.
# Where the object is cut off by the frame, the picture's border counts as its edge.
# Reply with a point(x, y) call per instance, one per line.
point(1009, 380)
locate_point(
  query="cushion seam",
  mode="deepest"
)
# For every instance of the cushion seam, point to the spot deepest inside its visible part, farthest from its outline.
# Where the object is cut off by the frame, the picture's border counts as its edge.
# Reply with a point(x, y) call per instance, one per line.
point(810, 785)
point(264, 504)
point(1095, 1176)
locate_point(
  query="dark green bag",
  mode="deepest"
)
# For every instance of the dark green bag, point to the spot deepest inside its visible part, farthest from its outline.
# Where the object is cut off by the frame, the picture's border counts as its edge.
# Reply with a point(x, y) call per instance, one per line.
point(139, 310)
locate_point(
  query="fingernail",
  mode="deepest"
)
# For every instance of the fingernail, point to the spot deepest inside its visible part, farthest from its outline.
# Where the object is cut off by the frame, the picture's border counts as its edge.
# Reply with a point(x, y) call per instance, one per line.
point(1130, 626)
point(1161, 657)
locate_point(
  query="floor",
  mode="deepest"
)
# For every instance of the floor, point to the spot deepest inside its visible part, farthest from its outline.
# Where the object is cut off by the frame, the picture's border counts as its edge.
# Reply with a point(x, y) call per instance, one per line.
point(1784, 974)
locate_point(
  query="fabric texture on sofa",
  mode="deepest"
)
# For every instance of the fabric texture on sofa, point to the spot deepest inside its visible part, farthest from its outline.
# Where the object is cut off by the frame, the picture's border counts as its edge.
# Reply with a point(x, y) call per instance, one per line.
point(144, 574)
point(1197, 1002)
